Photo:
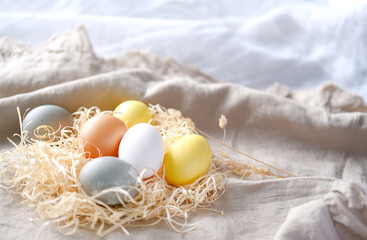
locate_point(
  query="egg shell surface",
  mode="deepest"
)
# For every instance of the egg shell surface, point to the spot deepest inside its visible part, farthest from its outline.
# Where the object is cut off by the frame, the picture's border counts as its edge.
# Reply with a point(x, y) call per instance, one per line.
point(51, 115)
point(101, 136)
point(133, 112)
point(142, 146)
point(187, 159)
point(106, 172)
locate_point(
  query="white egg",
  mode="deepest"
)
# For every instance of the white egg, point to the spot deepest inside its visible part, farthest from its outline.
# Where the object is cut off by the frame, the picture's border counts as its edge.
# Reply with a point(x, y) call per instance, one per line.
point(142, 146)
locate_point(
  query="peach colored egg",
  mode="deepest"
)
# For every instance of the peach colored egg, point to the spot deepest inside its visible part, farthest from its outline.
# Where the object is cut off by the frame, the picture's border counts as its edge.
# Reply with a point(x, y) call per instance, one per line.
point(101, 136)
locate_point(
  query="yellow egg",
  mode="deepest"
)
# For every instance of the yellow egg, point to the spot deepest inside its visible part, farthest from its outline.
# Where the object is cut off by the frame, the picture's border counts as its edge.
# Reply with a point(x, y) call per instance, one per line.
point(187, 159)
point(133, 112)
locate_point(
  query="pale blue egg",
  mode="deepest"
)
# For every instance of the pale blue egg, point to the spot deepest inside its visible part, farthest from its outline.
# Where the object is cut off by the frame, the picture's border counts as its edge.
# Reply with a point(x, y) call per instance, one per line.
point(106, 172)
point(51, 115)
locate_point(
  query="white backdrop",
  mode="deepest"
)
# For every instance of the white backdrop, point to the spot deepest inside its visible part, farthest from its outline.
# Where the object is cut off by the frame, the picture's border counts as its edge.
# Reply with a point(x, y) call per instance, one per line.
point(250, 42)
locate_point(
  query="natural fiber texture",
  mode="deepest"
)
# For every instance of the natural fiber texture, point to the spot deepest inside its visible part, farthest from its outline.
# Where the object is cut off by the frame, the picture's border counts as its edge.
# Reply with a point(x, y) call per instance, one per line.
point(45, 173)
point(326, 149)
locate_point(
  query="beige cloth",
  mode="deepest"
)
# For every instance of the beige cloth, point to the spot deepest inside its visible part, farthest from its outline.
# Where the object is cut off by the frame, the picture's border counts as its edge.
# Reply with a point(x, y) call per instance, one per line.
point(316, 140)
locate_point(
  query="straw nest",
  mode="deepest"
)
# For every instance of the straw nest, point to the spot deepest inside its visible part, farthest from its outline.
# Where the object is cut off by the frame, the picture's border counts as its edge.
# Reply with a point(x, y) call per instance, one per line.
point(45, 173)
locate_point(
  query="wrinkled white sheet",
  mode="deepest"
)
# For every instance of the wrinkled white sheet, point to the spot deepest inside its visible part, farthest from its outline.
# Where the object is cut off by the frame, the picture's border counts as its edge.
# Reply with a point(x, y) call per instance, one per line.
point(299, 44)
point(318, 134)
point(254, 43)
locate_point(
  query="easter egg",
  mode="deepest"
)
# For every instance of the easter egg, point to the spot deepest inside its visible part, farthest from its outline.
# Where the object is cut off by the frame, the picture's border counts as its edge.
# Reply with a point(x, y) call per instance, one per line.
point(50, 115)
point(133, 112)
point(187, 159)
point(142, 146)
point(101, 136)
point(106, 172)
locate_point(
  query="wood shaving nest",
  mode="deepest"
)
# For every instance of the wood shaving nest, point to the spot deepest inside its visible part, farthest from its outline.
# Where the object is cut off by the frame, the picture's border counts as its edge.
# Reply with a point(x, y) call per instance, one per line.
point(45, 173)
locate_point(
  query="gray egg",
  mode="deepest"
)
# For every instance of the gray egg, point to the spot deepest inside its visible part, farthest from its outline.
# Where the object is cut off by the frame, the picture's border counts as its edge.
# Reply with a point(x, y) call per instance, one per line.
point(107, 172)
point(51, 115)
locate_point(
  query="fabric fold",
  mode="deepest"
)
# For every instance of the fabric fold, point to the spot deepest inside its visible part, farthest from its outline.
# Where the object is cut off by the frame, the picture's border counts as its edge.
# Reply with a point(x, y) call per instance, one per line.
point(310, 141)
point(340, 214)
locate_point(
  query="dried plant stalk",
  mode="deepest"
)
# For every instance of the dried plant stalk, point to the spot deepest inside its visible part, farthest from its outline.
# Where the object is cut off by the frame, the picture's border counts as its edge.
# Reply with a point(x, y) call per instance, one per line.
point(46, 174)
